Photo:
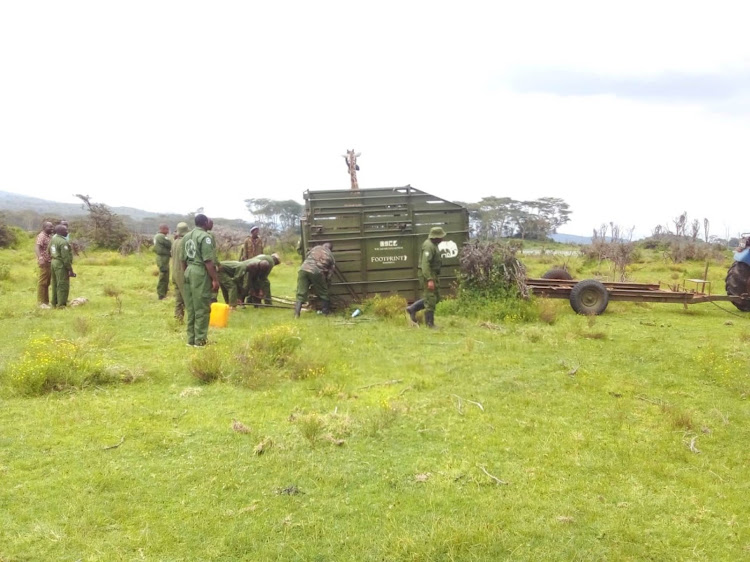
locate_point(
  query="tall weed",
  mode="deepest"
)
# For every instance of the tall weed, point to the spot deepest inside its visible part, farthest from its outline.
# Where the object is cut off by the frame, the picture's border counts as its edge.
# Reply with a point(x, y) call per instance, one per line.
point(391, 306)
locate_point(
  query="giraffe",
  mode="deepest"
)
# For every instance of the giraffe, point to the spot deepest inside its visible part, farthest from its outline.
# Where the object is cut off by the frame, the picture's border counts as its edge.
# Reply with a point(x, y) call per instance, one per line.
point(352, 167)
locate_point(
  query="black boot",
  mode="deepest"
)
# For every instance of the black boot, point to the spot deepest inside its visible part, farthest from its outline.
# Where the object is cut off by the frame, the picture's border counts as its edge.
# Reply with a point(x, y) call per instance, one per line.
point(326, 308)
point(414, 308)
point(429, 318)
point(297, 309)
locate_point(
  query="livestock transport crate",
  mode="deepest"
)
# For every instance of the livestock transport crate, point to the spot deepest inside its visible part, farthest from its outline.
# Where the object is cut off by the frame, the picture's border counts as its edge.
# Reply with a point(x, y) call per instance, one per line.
point(377, 237)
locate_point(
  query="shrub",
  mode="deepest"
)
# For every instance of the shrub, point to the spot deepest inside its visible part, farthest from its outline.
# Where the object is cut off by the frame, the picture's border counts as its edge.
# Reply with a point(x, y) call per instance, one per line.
point(331, 428)
point(259, 360)
point(276, 345)
point(391, 306)
point(207, 365)
point(9, 236)
point(492, 285)
point(4, 272)
point(52, 365)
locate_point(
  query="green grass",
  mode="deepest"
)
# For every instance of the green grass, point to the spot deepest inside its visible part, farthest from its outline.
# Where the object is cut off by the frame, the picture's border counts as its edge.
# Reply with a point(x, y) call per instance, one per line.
point(619, 437)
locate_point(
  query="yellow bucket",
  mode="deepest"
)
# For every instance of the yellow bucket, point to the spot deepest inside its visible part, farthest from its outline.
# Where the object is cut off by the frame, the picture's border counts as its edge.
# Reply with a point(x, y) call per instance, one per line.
point(219, 315)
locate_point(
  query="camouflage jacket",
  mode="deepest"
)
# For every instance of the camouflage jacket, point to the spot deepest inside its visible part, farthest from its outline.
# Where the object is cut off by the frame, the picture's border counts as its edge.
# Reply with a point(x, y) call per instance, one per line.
point(319, 260)
point(251, 248)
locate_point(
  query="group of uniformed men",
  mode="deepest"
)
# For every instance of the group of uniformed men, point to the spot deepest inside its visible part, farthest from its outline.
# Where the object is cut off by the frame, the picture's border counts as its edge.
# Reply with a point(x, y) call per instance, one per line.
point(197, 274)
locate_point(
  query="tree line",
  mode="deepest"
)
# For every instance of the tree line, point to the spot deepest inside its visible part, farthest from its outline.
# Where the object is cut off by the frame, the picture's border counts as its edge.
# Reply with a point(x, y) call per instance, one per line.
point(502, 217)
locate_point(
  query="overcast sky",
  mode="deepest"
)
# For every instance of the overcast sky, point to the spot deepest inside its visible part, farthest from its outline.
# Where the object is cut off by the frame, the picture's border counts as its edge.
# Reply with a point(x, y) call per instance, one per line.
point(630, 111)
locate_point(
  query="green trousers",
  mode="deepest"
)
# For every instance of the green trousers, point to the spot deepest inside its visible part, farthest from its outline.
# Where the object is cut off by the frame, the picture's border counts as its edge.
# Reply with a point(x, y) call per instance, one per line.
point(179, 300)
point(60, 284)
point(197, 303)
point(45, 278)
point(162, 262)
point(317, 281)
point(229, 288)
point(431, 298)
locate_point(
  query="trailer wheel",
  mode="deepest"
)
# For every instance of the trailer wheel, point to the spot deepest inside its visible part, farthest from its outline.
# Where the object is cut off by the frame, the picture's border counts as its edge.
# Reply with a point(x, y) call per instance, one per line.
point(589, 297)
point(738, 283)
point(557, 274)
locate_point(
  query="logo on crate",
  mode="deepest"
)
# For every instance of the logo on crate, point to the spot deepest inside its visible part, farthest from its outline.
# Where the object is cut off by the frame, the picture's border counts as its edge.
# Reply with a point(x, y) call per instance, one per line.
point(448, 249)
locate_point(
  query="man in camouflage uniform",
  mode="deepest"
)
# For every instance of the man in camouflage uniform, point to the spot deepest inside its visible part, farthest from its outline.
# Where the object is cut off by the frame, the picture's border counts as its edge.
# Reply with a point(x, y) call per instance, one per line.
point(41, 249)
point(253, 245)
point(62, 266)
point(430, 263)
point(178, 275)
point(198, 258)
point(316, 272)
point(163, 251)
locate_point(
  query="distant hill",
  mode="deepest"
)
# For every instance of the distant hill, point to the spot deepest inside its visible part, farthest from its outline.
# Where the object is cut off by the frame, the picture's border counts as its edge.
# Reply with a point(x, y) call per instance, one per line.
point(571, 239)
point(17, 202)
point(28, 212)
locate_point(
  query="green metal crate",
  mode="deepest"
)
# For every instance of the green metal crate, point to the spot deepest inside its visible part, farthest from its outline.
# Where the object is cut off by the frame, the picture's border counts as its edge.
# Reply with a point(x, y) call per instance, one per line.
point(377, 237)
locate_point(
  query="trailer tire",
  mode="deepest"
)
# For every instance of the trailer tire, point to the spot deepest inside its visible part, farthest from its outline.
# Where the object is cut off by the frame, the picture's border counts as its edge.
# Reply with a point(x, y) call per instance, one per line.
point(738, 283)
point(589, 297)
point(557, 274)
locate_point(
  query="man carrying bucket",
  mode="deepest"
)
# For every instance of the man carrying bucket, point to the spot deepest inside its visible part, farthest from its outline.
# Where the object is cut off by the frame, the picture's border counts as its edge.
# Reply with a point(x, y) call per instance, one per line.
point(198, 258)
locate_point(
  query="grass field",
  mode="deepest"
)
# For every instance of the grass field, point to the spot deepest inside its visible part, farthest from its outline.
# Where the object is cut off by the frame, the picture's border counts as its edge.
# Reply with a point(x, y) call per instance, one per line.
point(618, 437)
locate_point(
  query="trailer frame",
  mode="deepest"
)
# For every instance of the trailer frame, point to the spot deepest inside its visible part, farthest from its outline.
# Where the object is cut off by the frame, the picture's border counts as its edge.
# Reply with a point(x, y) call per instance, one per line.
point(597, 293)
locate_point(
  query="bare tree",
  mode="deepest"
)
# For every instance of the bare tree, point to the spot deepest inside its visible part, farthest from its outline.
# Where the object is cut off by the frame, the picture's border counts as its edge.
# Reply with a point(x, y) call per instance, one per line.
point(695, 228)
point(680, 224)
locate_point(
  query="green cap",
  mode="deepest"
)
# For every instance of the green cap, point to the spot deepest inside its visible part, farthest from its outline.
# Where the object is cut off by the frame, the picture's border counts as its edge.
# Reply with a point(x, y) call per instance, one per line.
point(182, 228)
point(437, 232)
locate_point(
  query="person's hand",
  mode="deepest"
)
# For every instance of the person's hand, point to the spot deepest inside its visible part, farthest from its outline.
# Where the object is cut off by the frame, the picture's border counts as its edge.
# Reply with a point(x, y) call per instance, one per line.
point(214, 285)
point(430, 285)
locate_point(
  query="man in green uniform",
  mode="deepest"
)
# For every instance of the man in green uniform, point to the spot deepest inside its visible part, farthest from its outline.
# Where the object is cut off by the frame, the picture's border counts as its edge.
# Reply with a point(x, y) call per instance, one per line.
point(316, 272)
point(209, 229)
point(259, 286)
point(178, 275)
point(232, 275)
point(163, 250)
point(429, 272)
point(198, 257)
point(62, 266)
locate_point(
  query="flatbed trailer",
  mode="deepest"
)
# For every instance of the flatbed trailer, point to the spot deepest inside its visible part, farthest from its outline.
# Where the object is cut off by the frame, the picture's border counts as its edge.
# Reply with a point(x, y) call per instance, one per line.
point(591, 296)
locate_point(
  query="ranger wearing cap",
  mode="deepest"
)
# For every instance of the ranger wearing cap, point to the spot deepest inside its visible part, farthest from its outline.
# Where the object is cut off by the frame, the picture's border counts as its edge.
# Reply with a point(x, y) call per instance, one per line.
point(430, 263)
point(251, 248)
point(178, 275)
point(253, 245)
